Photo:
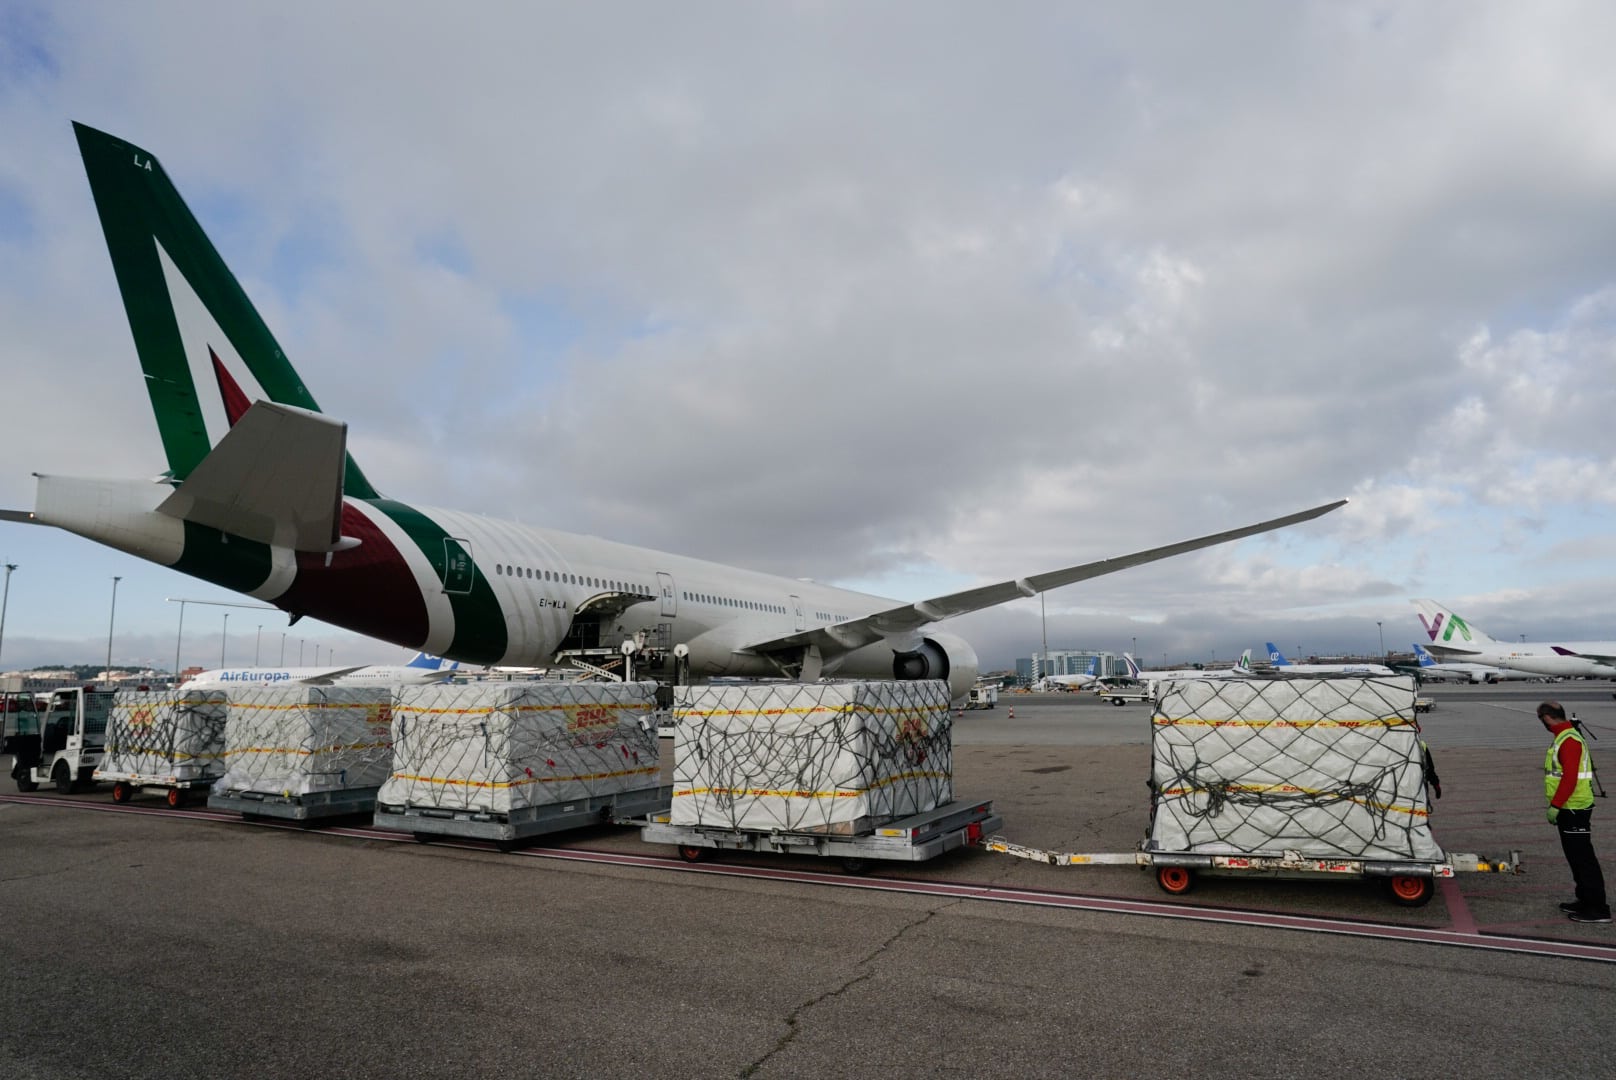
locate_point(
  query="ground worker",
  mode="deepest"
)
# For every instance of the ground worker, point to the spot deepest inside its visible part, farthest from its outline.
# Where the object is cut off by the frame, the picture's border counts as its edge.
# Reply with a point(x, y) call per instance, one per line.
point(1568, 773)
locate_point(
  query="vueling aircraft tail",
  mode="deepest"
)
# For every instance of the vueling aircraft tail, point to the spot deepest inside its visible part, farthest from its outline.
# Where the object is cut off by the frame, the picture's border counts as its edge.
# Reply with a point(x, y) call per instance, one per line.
point(206, 352)
point(1449, 633)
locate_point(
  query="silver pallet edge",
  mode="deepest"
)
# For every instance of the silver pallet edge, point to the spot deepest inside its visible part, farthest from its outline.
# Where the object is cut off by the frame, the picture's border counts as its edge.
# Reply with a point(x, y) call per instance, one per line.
point(525, 821)
point(315, 804)
point(912, 839)
point(142, 780)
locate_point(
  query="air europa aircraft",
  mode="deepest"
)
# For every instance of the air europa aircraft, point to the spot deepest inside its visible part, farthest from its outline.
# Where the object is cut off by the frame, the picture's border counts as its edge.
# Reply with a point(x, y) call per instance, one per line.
point(261, 496)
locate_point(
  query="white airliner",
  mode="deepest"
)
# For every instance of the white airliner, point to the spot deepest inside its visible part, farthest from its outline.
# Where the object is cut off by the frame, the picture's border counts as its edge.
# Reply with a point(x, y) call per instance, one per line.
point(1076, 681)
point(1242, 670)
point(1283, 666)
point(261, 496)
point(421, 669)
point(1452, 638)
point(1457, 671)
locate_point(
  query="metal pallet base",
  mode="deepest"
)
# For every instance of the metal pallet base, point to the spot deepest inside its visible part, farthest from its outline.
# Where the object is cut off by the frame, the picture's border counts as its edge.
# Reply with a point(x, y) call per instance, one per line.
point(316, 804)
point(912, 839)
point(527, 821)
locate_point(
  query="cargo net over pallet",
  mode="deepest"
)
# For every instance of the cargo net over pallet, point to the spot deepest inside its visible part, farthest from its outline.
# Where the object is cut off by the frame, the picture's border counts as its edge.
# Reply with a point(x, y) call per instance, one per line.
point(300, 740)
point(828, 757)
point(1327, 767)
point(499, 747)
point(168, 736)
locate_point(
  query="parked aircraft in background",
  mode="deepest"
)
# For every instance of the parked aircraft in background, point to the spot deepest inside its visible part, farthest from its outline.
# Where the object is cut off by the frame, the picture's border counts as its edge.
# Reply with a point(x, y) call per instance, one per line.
point(1242, 670)
point(1459, 671)
point(261, 496)
point(1452, 638)
point(1283, 666)
point(1079, 681)
point(421, 669)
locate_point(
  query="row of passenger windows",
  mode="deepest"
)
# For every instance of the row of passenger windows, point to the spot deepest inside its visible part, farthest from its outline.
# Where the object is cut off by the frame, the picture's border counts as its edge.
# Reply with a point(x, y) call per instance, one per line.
point(825, 617)
point(725, 601)
point(505, 570)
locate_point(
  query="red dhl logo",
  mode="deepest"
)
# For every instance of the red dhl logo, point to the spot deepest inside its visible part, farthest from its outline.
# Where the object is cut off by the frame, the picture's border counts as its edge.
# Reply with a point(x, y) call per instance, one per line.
point(141, 717)
point(381, 719)
point(590, 716)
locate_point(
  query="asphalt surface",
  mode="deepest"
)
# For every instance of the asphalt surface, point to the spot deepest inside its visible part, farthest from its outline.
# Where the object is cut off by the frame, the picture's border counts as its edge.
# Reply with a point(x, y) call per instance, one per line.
point(143, 946)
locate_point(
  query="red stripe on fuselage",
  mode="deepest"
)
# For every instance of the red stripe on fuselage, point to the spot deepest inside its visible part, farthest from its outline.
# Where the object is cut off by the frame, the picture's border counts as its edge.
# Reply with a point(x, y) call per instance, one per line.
point(235, 402)
point(369, 589)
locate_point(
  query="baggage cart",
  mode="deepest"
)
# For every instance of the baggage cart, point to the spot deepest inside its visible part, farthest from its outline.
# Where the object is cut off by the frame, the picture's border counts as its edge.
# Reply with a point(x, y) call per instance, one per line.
point(1410, 883)
point(308, 806)
point(916, 838)
point(511, 828)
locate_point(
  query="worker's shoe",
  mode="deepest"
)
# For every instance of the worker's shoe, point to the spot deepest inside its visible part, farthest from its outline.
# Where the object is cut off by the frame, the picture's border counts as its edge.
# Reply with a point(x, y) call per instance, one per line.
point(1586, 916)
point(1571, 906)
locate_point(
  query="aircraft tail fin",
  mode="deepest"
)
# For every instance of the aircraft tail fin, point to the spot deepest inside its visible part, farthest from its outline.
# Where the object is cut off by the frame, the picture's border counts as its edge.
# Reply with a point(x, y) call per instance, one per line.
point(206, 353)
point(426, 662)
point(1425, 659)
point(1276, 657)
point(1245, 662)
point(1444, 627)
point(1133, 668)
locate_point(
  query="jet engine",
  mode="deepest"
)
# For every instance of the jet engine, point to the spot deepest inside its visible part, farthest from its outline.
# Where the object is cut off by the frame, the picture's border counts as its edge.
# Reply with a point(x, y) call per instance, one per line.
point(940, 656)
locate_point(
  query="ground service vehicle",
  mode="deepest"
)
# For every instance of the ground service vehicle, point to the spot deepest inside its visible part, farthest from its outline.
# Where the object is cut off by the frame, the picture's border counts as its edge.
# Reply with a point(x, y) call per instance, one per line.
point(59, 740)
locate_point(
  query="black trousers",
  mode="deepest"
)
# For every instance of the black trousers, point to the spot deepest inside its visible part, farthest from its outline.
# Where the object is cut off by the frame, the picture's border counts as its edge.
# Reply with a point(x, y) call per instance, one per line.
point(1576, 838)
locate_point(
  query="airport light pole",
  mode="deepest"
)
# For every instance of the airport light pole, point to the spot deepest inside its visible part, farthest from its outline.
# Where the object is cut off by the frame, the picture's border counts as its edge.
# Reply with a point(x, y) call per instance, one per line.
point(5, 598)
point(299, 652)
point(1044, 619)
point(110, 618)
point(258, 642)
point(224, 637)
point(1382, 639)
point(283, 648)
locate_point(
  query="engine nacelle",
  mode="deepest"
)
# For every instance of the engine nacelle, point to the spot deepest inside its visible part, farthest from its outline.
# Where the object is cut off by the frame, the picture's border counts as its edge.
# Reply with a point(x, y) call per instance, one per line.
point(940, 656)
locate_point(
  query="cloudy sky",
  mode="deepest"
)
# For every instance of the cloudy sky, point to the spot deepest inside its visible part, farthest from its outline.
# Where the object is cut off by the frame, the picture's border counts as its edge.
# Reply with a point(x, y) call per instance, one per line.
point(904, 297)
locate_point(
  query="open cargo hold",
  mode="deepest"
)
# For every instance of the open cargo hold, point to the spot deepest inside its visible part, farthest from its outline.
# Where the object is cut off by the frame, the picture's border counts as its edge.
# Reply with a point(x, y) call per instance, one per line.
point(1288, 778)
point(860, 771)
point(305, 752)
point(172, 739)
point(505, 761)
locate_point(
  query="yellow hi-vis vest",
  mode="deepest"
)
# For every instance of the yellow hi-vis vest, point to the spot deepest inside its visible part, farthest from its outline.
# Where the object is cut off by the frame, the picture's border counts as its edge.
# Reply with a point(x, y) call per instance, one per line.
point(1582, 796)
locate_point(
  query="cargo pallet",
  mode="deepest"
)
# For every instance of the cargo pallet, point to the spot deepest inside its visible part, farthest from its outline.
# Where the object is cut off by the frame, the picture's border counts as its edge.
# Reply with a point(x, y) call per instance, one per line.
point(309, 807)
point(1411, 882)
point(911, 839)
point(432, 822)
point(177, 791)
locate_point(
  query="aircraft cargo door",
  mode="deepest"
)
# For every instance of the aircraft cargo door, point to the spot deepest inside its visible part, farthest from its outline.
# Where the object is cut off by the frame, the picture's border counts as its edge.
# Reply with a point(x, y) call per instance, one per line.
point(670, 599)
point(801, 613)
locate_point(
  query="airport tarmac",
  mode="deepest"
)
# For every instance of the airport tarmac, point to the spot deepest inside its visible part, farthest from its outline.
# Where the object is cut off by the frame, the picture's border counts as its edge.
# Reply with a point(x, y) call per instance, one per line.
point(160, 943)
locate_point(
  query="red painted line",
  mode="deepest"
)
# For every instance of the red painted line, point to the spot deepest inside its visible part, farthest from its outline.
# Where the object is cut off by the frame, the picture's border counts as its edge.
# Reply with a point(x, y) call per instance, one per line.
point(1459, 937)
point(1458, 910)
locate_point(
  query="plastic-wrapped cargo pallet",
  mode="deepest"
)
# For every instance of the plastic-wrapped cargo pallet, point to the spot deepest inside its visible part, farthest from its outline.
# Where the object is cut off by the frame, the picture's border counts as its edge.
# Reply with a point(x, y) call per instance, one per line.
point(811, 757)
point(305, 739)
point(165, 735)
point(499, 747)
point(1328, 767)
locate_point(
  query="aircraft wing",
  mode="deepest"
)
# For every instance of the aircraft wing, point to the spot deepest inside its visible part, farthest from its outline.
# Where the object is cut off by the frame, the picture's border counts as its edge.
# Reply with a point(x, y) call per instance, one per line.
point(856, 633)
point(1598, 658)
point(326, 678)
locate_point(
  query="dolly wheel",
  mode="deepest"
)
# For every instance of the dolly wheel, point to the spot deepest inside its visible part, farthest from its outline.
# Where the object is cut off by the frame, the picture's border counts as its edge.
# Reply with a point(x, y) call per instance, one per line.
point(692, 852)
point(1409, 891)
point(62, 777)
point(176, 797)
point(1175, 880)
point(122, 792)
point(855, 866)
